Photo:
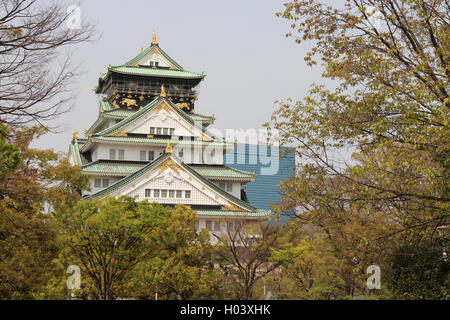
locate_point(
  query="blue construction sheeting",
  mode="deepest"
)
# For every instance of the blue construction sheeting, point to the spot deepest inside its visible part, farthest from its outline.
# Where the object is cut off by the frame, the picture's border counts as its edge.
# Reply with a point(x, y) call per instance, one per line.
point(269, 168)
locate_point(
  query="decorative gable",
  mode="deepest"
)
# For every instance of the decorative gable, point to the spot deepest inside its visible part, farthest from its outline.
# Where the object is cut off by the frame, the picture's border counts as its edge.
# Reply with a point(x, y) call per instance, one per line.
point(162, 117)
point(154, 58)
point(160, 183)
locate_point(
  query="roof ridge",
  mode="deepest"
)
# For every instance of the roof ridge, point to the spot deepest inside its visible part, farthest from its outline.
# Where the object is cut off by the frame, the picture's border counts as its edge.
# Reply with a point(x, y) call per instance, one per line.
point(127, 119)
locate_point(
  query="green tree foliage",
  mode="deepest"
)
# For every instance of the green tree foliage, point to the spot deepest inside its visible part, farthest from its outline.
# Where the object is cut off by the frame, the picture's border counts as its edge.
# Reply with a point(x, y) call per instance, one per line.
point(389, 110)
point(28, 238)
point(108, 238)
point(315, 272)
point(9, 154)
point(183, 267)
point(418, 269)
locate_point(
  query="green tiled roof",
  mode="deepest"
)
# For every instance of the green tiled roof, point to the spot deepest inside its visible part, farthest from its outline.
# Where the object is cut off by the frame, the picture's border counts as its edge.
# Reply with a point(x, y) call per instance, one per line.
point(201, 118)
point(221, 171)
point(75, 150)
point(112, 168)
point(173, 142)
point(126, 168)
point(165, 73)
point(124, 181)
point(128, 119)
point(257, 213)
point(128, 68)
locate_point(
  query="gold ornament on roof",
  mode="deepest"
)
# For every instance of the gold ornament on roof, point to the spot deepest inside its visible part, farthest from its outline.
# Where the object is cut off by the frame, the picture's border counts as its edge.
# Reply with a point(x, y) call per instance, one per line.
point(163, 91)
point(230, 207)
point(169, 148)
point(154, 38)
point(129, 102)
point(74, 135)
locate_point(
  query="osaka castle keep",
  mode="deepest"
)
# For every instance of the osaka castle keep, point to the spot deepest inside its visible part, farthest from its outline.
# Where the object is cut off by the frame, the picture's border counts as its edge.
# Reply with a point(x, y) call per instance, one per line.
point(148, 142)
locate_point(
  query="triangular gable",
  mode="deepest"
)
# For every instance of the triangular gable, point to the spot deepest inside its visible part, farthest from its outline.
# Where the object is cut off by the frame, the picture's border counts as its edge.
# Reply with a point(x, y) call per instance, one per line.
point(153, 53)
point(169, 173)
point(164, 110)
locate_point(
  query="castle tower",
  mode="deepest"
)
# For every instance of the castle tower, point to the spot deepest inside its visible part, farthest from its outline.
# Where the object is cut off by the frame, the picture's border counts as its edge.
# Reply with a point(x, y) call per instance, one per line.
point(138, 81)
point(147, 142)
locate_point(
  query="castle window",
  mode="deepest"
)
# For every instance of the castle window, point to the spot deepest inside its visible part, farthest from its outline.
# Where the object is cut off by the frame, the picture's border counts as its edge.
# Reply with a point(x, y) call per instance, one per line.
point(121, 154)
point(112, 154)
point(152, 130)
point(179, 194)
point(163, 193)
point(172, 131)
point(148, 193)
point(165, 131)
point(209, 225)
point(156, 193)
point(216, 225)
point(171, 193)
point(97, 183)
point(229, 187)
point(151, 155)
point(222, 185)
point(159, 131)
point(142, 155)
point(187, 194)
point(105, 183)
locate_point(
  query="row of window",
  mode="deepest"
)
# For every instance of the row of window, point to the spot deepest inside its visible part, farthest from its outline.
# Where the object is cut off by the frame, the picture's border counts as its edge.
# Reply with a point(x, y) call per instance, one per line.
point(150, 156)
point(101, 183)
point(164, 193)
point(162, 131)
point(215, 225)
point(143, 155)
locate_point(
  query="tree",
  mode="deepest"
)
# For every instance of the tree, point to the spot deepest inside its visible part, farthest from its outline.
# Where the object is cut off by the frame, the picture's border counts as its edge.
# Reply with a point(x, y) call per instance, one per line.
point(389, 110)
point(29, 238)
point(243, 255)
point(34, 79)
point(108, 238)
point(9, 154)
point(418, 270)
point(317, 271)
point(183, 267)
point(391, 98)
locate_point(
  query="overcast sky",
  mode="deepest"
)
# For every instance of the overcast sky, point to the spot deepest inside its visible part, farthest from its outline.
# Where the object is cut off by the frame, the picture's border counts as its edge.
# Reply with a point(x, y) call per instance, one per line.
point(240, 45)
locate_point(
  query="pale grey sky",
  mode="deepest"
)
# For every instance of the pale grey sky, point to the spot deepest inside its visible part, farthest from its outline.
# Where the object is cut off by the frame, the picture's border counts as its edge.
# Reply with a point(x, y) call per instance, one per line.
point(240, 45)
